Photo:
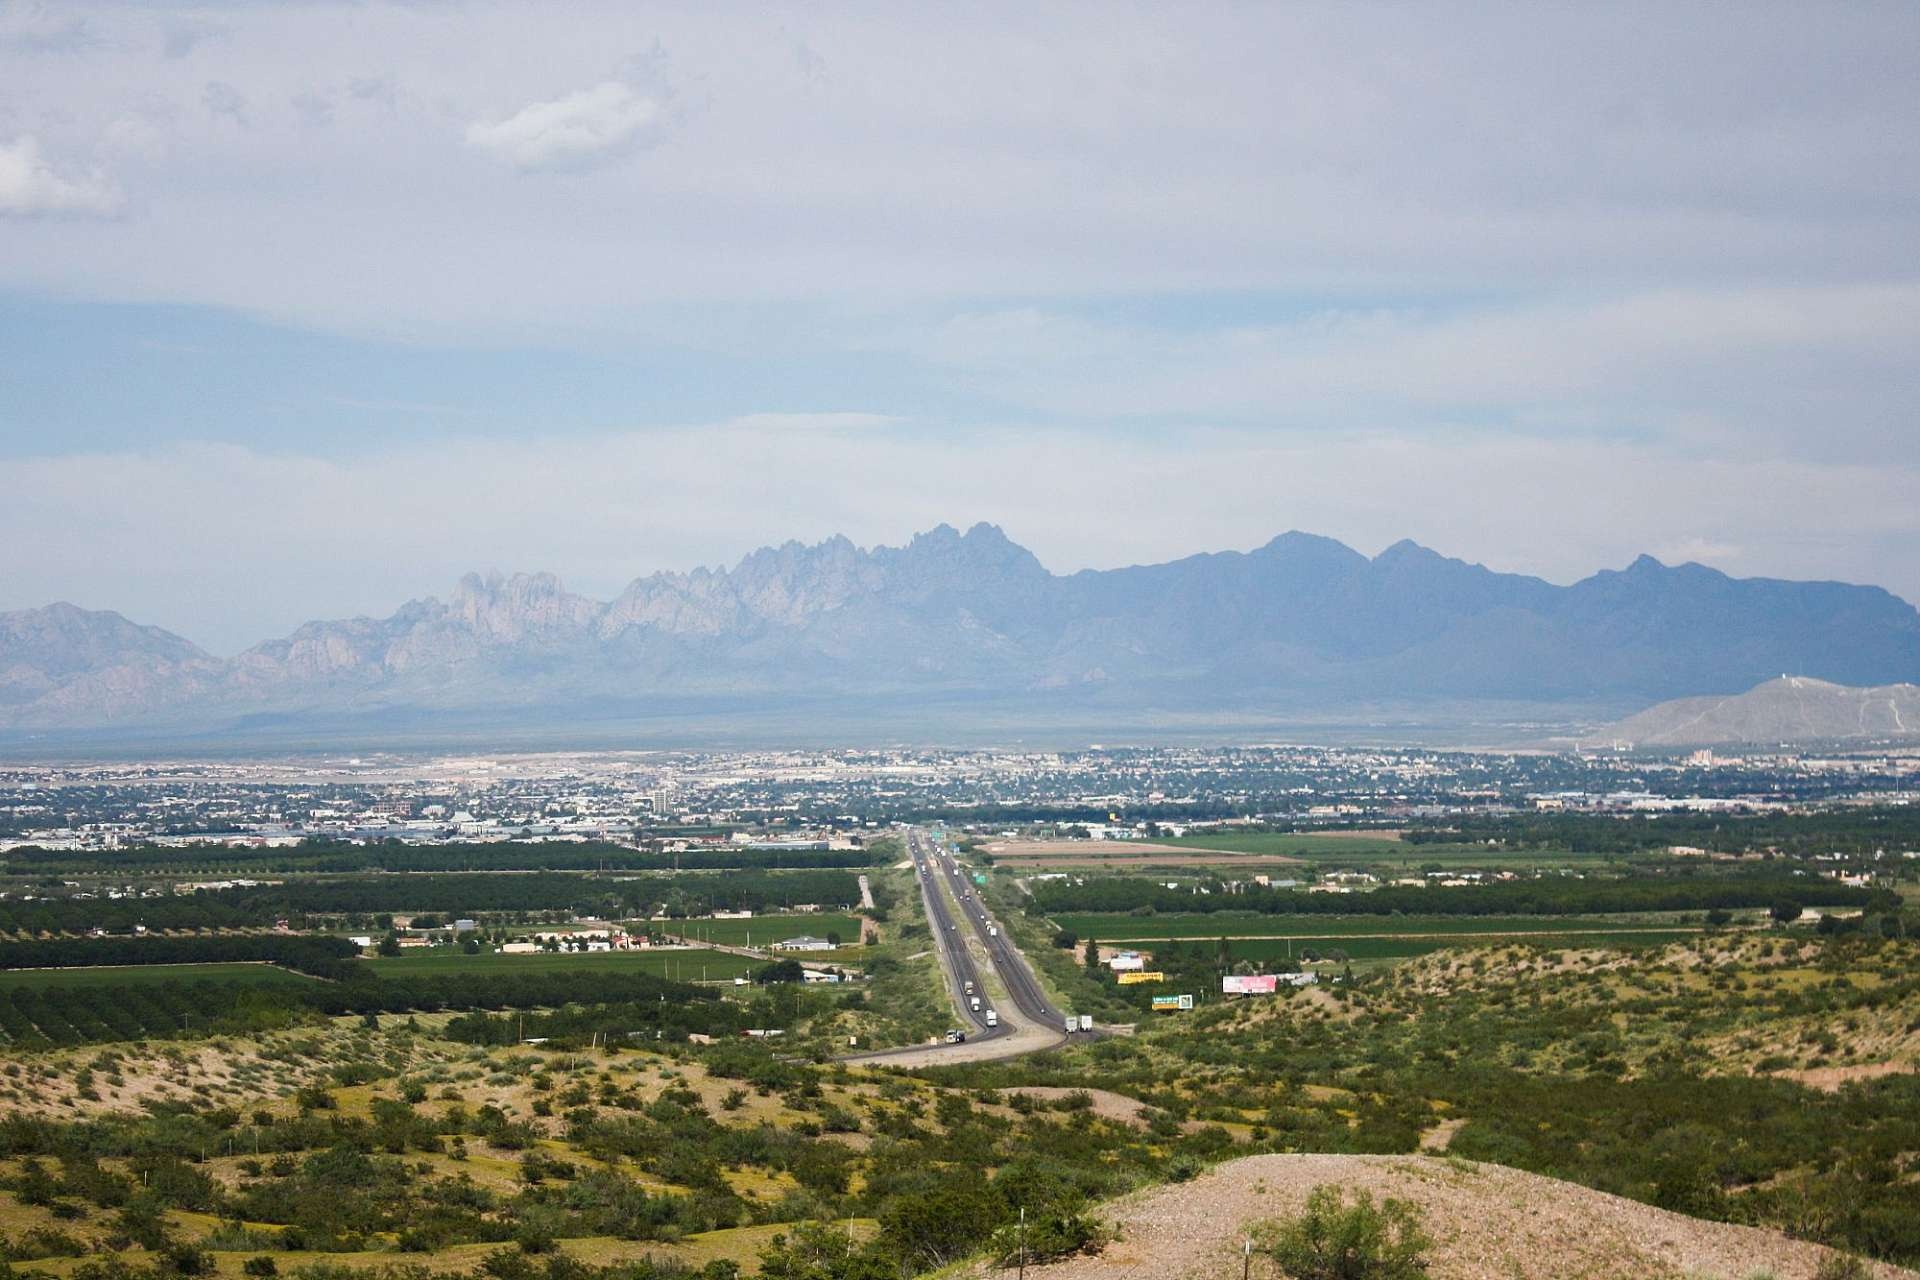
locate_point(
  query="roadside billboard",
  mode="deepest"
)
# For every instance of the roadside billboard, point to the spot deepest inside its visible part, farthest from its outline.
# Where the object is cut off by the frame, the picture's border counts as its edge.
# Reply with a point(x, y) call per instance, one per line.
point(1252, 984)
point(1141, 975)
point(1172, 1004)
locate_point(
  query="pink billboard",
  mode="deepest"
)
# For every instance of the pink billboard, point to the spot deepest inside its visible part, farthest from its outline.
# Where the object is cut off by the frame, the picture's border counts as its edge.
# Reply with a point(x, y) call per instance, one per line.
point(1256, 984)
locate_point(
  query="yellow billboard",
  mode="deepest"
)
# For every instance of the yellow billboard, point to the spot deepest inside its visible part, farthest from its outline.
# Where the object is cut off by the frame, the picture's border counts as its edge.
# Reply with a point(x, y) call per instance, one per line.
point(1128, 979)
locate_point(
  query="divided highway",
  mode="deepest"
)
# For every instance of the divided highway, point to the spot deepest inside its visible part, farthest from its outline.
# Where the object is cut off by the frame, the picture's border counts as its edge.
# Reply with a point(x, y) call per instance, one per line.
point(1032, 1024)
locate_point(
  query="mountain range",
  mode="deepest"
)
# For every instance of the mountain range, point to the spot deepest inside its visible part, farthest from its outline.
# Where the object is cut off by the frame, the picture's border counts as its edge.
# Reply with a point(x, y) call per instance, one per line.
point(973, 621)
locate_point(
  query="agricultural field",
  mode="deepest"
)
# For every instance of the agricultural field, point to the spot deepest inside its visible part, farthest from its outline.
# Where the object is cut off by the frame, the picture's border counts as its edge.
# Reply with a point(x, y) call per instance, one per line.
point(1110, 927)
point(1369, 848)
point(1019, 856)
point(689, 964)
point(762, 930)
point(119, 977)
point(1376, 947)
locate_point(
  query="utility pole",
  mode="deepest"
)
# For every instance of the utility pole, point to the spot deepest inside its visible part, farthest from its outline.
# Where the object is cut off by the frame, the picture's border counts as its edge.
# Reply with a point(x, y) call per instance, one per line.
point(1246, 1258)
point(1023, 1242)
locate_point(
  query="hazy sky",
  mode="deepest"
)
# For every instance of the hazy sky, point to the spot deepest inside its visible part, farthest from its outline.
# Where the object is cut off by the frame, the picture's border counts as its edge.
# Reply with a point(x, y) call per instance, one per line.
point(306, 309)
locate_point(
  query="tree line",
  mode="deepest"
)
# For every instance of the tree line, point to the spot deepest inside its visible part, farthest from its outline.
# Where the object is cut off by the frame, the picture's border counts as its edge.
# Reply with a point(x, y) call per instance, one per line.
point(1850, 831)
point(451, 893)
point(45, 1017)
point(320, 956)
point(336, 857)
point(1530, 897)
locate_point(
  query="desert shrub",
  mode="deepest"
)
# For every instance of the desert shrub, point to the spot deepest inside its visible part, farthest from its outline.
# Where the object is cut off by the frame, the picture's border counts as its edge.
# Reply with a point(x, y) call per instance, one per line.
point(1059, 1233)
point(1333, 1240)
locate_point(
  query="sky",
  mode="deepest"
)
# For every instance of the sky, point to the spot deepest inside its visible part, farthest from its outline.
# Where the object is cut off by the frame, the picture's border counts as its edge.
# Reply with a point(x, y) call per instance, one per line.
point(308, 308)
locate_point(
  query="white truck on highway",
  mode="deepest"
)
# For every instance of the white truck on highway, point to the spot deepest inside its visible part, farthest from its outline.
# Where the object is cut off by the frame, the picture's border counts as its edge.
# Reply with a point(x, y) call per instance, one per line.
point(975, 1001)
point(993, 1019)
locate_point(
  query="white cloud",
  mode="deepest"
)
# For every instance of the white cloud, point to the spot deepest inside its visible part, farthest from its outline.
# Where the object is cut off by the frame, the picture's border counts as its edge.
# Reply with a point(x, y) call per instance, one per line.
point(30, 185)
point(1706, 365)
point(579, 130)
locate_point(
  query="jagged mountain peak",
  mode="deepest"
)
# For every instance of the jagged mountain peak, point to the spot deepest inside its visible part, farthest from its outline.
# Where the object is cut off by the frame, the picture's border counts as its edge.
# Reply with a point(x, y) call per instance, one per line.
point(1303, 620)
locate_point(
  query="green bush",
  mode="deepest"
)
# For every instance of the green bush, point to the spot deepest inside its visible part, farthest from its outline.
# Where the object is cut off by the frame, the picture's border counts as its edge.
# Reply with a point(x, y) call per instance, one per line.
point(1336, 1241)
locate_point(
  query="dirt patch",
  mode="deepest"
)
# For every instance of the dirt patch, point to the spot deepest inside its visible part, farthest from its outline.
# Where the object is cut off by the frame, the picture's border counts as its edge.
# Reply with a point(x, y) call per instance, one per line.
point(1106, 1104)
point(1831, 1079)
point(1489, 1222)
point(1440, 1137)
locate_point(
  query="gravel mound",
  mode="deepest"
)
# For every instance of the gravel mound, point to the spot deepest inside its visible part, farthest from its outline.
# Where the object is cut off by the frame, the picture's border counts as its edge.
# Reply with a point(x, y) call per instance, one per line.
point(1489, 1223)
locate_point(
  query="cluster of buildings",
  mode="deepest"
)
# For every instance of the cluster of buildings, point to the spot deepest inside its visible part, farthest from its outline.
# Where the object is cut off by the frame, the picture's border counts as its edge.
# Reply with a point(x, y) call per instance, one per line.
point(825, 799)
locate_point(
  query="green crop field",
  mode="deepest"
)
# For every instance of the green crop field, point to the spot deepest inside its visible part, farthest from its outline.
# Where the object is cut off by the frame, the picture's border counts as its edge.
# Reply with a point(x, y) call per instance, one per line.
point(1291, 843)
point(1129, 928)
point(126, 975)
point(761, 930)
point(1378, 948)
point(691, 965)
point(1360, 850)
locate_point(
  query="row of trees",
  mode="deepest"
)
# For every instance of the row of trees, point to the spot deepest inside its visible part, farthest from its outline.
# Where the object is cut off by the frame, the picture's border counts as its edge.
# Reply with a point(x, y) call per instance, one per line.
point(1530, 897)
point(330, 856)
point(479, 893)
point(37, 1018)
point(1845, 831)
point(321, 956)
point(689, 893)
point(41, 1017)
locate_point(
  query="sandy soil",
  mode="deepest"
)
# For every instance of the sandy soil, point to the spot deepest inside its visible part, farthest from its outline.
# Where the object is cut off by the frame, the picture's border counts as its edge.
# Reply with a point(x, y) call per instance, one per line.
point(1440, 1137)
point(1489, 1223)
point(1831, 1079)
point(1106, 1104)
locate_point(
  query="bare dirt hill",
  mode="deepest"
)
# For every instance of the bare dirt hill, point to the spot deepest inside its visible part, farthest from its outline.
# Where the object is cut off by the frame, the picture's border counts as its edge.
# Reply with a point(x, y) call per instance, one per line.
point(1489, 1223)
point(1790, 709)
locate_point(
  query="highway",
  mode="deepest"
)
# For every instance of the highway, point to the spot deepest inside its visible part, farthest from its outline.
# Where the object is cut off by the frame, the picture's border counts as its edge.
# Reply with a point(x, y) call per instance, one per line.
point(1032, 1024)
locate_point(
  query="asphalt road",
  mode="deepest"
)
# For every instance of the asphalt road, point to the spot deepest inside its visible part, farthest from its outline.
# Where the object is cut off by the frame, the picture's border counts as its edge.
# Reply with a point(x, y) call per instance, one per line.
point(1032, 1024)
